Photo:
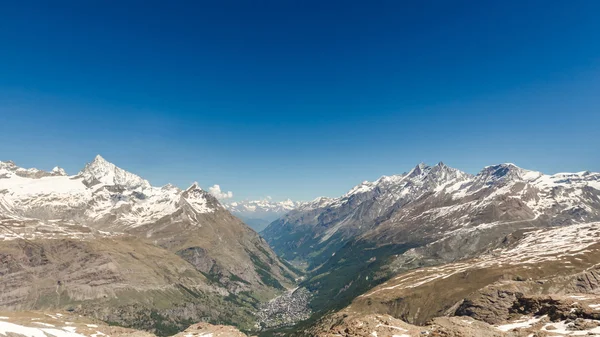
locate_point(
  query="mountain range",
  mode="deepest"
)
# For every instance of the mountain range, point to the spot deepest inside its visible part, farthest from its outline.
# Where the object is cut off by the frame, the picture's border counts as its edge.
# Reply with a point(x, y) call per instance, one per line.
point(108, 244)
point(258, 214)
point(433, 251)
point(430, 215)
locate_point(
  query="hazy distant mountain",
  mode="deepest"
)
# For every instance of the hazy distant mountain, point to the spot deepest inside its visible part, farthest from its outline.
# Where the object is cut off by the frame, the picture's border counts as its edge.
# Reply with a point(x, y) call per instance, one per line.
point(258, 214)
point(108, 244)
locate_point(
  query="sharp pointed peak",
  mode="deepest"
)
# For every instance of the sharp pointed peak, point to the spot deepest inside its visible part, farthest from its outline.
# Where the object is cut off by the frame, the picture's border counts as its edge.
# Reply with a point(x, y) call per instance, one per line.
point(194, 186)
point(96, 164)
point(418, 170)
point(99, 159)
point(102, 171)
point(440, 167)
point(59, 171)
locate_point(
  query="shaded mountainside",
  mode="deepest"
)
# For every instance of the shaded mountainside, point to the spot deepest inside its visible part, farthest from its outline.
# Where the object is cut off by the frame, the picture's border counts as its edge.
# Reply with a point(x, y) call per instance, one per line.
point(543, 281)
point(108, 244)
point(428, 216)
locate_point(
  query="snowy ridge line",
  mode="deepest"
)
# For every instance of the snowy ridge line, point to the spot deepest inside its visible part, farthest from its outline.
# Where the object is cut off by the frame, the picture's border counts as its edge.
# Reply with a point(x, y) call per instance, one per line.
point(460, 184)
point(446, 201)
point(52, 204)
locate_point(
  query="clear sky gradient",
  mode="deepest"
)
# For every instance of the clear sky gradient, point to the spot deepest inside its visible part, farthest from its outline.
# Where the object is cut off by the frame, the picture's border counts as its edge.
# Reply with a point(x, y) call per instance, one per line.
point(299, 98)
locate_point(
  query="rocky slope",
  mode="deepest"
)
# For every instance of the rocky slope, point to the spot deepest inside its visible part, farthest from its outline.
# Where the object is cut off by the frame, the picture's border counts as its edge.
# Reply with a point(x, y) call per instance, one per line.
point(108, 244)
point(543, 282)
point(438, 214)
point(258, 214)
point(66, 324)
point(357, 325)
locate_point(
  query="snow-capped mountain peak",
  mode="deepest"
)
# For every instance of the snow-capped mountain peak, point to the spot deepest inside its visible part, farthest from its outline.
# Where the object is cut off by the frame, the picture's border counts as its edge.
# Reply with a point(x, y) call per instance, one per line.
point(259, 213)
point(503, 173)
point(101, 171)
point(419, 170)
point(193, 186)
point(101, 194)
point(59, 171)
point(200, 200)
point(435, 201)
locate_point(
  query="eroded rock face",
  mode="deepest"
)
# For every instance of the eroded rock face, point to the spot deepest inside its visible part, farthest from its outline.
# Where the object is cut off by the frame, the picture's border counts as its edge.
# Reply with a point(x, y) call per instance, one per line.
point(561, 297)
point(526, 316)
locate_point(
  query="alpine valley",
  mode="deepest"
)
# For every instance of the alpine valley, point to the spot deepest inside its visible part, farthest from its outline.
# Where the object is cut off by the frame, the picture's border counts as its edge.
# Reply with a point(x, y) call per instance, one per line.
point(505, 244)
point(431, 252)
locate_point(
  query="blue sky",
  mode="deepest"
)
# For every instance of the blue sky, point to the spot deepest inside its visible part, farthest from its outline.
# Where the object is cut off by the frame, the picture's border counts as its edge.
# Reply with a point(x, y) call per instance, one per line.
point(299, 98)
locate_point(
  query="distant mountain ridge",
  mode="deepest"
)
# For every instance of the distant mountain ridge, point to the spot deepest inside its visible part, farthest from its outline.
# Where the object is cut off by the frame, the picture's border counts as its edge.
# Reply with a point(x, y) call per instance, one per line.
point(260, 213)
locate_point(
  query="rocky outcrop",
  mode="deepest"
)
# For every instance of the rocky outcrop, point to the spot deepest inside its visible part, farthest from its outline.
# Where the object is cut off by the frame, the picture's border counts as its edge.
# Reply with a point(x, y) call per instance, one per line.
point(356, 325)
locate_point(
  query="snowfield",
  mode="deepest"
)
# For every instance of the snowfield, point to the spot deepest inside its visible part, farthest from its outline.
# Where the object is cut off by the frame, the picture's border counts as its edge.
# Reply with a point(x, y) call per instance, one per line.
point(556, 244)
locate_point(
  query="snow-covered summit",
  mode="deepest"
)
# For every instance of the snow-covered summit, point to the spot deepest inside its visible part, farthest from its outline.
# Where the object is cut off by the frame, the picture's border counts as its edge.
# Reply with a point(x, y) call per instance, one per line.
point(389, 189)
point(59, 171)
point(503, 173)
point(100, 171)
point(101, 194)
